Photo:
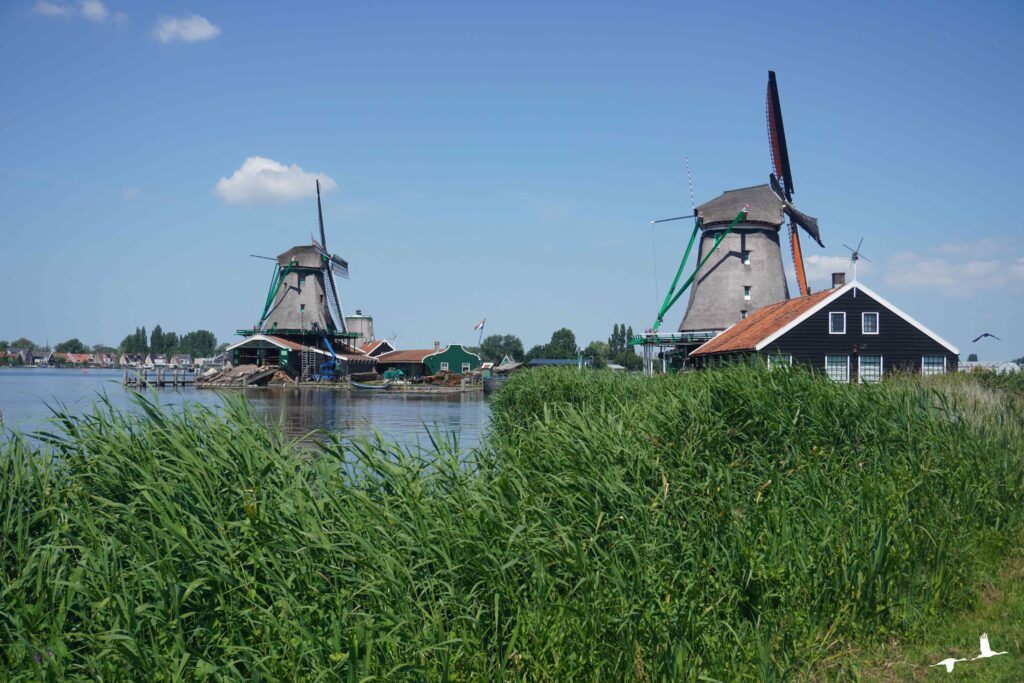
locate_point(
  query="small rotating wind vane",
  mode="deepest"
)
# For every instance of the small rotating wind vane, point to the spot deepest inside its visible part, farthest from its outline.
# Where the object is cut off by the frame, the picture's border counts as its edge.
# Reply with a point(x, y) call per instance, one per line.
point(856, 255)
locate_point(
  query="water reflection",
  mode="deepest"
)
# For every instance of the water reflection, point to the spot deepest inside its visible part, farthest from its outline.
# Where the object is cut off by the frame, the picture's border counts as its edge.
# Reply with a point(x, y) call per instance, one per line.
point(25, 393)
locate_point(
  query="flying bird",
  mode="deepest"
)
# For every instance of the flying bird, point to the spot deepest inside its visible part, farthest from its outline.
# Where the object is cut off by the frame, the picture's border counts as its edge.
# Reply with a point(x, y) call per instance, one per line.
point(949, 663)
point(986, 651)
point(986, 334)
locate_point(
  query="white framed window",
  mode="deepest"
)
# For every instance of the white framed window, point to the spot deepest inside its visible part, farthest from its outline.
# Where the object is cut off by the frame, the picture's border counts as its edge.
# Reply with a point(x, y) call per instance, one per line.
point(838, 368)
point(746, 292)
point(870, 369)
point(869, 323)
point(444, 367)
point(465, 368)
point(933, 365)
point(780, 360)
point(743, 315)
point(837, 322)
point(745, 255)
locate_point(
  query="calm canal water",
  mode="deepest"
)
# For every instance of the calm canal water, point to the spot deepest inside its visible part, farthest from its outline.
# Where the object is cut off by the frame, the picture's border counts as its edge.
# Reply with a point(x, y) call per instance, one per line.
point(25, 393)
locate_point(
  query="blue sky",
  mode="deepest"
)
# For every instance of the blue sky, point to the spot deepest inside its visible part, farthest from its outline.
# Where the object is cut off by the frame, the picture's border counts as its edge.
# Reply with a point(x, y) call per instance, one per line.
point(498, 160)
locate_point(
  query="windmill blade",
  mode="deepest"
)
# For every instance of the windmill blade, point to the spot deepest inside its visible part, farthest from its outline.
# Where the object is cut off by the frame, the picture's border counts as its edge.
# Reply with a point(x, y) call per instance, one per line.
point(333, 304)
point(808, 223)
point(320, 215)
point(339, 266)
point(777, 138)
point(333, 299)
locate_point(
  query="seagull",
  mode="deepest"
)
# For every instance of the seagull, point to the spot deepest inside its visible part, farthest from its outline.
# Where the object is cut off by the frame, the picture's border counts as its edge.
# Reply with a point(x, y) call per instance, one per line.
point(986, 651)
point(949, 663)
point(986, 334)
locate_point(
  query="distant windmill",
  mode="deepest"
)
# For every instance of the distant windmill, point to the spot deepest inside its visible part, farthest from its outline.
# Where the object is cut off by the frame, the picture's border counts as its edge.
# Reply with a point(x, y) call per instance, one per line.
point(303, 294)
point(855, 256)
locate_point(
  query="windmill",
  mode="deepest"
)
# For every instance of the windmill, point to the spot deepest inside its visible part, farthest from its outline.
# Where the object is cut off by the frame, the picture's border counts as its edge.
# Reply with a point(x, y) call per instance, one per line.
point(782, 183)
point(739, 262)
point(855, 256)
point(303, 301)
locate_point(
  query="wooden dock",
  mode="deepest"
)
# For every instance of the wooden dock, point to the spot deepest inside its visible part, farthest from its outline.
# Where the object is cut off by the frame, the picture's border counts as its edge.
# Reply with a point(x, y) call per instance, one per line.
point(143, 378)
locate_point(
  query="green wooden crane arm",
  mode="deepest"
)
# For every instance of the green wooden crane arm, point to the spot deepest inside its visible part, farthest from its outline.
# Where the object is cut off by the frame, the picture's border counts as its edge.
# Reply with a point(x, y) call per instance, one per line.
point(682, 265)
point(673, 295)
point(275, 284)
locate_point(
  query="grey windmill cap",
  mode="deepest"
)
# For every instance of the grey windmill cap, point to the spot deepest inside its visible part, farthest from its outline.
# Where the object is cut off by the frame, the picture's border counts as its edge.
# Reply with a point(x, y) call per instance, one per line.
point(764, 207)
point(304, 256)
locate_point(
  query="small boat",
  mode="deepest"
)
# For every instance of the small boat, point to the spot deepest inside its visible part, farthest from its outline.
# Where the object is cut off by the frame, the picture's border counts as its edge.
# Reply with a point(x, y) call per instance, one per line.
point(369, 387)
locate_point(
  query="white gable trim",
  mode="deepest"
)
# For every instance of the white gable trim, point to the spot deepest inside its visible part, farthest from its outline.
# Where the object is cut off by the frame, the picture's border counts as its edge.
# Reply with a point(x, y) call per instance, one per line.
point(694, 352)
point(838, 293)
point(265, 338)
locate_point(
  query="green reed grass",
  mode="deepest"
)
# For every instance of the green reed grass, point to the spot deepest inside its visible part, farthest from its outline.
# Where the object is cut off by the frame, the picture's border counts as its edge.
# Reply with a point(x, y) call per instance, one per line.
point(738, 524)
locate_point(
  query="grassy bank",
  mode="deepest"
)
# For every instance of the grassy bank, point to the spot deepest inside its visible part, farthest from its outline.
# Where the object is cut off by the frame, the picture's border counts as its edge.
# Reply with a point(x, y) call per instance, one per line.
point(735, 524)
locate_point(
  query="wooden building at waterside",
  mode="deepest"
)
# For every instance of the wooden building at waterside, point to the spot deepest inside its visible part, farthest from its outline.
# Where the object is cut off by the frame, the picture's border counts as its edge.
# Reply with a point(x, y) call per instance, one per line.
point(417, 363)
point(849, 332)
point(267, 350)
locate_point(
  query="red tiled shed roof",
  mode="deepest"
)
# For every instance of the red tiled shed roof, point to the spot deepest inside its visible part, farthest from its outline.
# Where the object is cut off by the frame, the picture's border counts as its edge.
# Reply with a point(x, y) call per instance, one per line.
point(408, 356)
point(762, 323)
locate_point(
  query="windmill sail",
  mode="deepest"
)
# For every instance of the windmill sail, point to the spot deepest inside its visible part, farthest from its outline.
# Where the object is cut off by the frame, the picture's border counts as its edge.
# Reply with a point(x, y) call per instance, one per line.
point(777, 139)
point(808, 223)
point(332, 264)
point(333, 305)
point(782, 183)
point(339, 266)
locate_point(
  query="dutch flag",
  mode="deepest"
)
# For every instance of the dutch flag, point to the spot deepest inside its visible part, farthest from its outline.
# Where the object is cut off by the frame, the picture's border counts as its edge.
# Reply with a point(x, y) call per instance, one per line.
point(480, 325)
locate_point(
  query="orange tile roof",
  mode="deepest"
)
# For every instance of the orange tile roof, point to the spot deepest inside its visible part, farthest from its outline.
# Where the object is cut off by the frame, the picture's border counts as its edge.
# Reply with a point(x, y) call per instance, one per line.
point(762, 323)
point(409, 356)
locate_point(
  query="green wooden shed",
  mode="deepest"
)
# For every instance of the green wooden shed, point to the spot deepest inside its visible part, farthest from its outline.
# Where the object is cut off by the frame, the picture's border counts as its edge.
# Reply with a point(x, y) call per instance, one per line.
point(455, 359)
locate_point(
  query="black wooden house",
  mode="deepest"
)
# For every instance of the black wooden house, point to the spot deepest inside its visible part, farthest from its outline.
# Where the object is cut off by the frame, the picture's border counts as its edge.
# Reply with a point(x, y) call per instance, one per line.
point(849, 332)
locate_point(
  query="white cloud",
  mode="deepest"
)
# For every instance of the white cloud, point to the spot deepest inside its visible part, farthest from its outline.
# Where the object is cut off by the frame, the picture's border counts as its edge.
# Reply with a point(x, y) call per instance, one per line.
point(51, 9)
point(93, 10)
point(190, 29)
point(957, 278)
point(265, 180)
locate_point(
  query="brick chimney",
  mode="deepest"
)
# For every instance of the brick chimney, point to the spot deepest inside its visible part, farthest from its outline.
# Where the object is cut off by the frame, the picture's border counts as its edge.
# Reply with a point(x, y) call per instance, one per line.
point(838, 279)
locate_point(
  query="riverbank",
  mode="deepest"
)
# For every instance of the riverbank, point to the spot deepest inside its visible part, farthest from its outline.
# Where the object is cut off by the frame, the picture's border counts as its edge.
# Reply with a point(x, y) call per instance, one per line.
point(737, 524)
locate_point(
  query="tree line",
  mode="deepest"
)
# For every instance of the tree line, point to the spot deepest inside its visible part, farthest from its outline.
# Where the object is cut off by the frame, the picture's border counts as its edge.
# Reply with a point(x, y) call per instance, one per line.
point(563, 346)
point(198, 344)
